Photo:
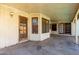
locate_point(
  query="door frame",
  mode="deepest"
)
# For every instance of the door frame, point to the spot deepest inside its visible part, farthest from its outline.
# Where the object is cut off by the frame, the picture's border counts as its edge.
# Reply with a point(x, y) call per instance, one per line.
point(26, 39)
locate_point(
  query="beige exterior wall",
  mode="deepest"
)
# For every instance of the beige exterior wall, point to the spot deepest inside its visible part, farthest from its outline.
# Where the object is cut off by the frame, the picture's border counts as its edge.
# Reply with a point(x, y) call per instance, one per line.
point(44, 35)
point(75, 25)
point(73, 28)
point(40, 36)
point(9, 26)
point(34, 37)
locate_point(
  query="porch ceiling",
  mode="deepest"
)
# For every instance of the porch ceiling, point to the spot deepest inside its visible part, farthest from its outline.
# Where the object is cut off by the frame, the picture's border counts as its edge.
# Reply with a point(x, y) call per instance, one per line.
point(58, 12)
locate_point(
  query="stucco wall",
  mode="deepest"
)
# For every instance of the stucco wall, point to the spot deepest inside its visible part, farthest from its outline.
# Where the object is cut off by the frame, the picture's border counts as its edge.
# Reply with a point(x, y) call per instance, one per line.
point(75, 25)
point(9, 31)
point(34, 37)
point(44, 35)
point(40, 36)
point(73, 29)
point(9, 26)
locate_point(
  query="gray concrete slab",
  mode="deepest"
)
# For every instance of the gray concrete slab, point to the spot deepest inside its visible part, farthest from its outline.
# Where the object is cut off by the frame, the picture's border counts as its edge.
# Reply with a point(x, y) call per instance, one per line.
point(55, 45)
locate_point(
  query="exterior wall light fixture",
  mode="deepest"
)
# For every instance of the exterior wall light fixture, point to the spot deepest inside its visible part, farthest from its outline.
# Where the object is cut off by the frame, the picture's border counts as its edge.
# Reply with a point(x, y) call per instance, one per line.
point(11, 14)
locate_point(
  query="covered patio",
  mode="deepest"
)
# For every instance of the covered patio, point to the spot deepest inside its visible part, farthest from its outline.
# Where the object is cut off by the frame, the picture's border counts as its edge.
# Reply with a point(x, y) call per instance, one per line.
point(39, 29)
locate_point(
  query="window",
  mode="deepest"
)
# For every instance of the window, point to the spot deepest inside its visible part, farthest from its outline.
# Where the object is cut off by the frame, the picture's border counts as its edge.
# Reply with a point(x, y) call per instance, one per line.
point(35, 25)
point(54, 27)
point(45, 25)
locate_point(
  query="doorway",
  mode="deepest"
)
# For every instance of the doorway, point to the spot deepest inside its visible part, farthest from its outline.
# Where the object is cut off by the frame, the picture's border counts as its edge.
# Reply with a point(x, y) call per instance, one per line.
point(68, 28)
point(22, 28)
point(60, 28)
point(64, 28)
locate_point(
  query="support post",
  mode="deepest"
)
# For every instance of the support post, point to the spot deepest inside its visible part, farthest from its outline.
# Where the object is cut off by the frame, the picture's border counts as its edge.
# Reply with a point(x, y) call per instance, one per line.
point(76, 36)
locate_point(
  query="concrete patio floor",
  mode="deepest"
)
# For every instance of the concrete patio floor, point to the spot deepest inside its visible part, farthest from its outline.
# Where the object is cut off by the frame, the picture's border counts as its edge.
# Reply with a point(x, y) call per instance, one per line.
point(56, 45)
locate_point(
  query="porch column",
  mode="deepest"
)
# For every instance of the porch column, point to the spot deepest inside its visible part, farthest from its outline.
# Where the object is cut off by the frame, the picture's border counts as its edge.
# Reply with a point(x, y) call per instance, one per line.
point(76, 36)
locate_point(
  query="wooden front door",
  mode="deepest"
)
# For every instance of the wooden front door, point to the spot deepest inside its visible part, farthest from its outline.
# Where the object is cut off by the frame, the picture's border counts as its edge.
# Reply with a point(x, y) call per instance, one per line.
point(22, 28)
